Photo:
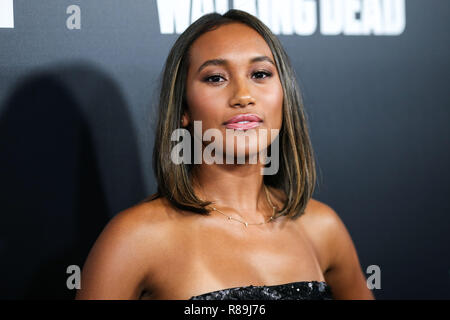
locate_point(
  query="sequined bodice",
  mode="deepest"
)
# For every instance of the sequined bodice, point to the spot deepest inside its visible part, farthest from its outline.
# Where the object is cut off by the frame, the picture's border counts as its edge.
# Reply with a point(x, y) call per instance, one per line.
point(303, 290)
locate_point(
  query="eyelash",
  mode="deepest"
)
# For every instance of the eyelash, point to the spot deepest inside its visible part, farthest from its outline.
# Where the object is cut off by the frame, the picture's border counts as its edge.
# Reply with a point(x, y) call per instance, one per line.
point(266, 73)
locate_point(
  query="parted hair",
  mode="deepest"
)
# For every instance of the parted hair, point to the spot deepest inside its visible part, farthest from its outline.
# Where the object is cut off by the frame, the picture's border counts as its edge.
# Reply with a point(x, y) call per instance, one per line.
point(296, 176)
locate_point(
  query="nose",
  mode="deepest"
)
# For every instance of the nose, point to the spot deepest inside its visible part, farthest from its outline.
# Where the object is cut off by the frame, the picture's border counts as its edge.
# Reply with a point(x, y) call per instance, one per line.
point(241, 96)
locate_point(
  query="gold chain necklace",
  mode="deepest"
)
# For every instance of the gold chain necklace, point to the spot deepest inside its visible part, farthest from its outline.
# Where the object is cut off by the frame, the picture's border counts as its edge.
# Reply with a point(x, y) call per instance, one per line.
point(274, 208)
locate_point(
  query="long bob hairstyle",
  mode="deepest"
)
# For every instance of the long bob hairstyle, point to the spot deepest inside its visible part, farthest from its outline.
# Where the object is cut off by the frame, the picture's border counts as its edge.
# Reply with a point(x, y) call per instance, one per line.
point(296, 175)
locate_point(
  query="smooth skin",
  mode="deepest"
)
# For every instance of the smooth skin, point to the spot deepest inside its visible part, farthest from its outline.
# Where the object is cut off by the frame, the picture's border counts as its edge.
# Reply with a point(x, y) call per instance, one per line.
point(153, 251)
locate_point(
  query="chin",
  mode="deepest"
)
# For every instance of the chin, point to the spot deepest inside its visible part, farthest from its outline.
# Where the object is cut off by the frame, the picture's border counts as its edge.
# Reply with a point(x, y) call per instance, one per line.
point(244, 153)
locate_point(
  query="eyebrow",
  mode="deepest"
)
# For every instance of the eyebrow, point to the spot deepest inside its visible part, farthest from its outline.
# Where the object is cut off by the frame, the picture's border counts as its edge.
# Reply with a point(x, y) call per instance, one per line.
point(221, 62)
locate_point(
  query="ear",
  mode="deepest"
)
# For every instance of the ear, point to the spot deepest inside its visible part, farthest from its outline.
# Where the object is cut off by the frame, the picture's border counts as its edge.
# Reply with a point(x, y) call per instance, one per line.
point(185, 120)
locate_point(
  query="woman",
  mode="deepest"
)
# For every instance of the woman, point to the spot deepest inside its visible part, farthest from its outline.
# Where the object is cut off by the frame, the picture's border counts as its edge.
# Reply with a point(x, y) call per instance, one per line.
point(225, 230)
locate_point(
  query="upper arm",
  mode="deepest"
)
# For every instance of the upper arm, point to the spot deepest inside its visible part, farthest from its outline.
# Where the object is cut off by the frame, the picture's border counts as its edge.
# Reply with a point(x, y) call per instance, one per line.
point(116, 265)
point(344, 274)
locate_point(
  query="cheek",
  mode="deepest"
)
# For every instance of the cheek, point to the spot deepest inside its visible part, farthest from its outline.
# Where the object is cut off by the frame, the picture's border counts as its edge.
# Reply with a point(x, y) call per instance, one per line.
point(204, 105)
point(273, 102)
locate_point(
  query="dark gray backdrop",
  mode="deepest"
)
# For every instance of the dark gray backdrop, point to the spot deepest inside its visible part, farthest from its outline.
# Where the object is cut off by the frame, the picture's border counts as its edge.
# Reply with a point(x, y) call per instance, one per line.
point(76, 140)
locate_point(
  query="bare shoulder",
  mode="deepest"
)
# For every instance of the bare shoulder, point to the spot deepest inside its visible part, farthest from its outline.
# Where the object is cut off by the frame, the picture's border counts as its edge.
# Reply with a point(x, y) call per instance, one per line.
point(156, 214)
point(343, 271)
point(118, 264)
point(142, 223)
point(321, 223)
point(321, 213)
point(324, 225)
point(325, 221)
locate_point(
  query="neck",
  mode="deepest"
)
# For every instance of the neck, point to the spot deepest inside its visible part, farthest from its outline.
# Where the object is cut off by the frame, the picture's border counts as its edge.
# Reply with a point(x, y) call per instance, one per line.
point(236, 188)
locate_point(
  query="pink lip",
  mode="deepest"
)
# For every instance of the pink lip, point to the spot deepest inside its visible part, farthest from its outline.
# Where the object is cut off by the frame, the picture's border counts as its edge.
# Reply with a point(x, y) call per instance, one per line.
point(253, 122)
point(243, 126)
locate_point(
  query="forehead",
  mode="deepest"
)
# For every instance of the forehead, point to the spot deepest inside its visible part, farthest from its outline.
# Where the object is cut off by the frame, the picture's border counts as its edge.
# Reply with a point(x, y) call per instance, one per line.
point(235, 41)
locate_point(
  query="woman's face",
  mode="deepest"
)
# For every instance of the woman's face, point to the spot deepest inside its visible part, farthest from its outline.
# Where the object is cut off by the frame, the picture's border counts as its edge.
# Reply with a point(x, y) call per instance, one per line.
point(232, 72)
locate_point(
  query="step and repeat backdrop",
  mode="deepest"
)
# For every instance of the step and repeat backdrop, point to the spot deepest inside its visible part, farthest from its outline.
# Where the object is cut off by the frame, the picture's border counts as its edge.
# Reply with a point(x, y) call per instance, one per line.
point(78, 88)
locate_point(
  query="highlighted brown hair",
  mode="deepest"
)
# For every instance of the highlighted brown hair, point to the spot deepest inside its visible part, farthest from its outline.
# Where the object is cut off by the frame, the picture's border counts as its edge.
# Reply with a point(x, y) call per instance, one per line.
point(296, 176)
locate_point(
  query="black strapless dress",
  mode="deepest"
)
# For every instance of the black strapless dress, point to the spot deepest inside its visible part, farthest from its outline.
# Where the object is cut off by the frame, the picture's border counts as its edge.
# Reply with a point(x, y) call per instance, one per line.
point(303, 290)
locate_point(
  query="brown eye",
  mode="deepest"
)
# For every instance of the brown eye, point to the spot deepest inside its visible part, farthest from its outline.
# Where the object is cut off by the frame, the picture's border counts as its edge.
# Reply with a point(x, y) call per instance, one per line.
point(262, 74)
point(214, 78)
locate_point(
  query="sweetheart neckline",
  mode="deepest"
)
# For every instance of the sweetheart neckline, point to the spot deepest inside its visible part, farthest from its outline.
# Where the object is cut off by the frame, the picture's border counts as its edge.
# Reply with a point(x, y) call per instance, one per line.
point(265, 286)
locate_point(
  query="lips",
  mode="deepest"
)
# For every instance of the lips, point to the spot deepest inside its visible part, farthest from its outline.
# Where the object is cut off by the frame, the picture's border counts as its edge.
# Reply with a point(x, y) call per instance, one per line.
point(243, 122)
